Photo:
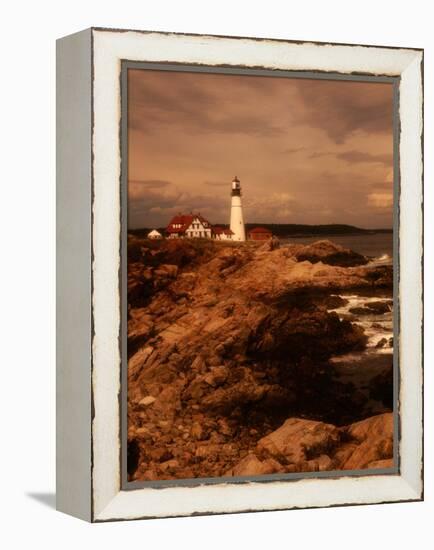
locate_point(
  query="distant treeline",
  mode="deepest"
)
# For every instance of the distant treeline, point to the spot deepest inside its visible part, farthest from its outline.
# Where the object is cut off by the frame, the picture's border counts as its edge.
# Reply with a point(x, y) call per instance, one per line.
point(288, 229)
point(292, 229)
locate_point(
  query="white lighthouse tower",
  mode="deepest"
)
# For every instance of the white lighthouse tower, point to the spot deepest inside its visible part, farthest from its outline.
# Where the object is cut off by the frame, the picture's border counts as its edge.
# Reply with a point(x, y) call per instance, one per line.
point(237, 220)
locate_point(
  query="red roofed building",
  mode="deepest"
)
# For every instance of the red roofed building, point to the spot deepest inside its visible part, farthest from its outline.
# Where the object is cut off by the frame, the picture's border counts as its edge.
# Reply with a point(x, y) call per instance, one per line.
point(190, 226)
point(260, 234)
point(222, 233)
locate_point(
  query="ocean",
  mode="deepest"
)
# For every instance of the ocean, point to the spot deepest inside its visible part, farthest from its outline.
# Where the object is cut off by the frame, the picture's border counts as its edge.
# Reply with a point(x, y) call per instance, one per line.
point(361, 368)
point(369, 367)
point(377, 246)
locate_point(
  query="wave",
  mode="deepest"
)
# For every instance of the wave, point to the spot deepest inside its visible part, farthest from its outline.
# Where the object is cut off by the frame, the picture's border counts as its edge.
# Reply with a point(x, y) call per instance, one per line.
point(378, 327)
point(384, 259)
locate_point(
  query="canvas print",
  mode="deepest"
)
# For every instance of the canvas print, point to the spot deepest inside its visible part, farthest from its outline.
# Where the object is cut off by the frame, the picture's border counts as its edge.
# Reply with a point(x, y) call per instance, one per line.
point(260, 312)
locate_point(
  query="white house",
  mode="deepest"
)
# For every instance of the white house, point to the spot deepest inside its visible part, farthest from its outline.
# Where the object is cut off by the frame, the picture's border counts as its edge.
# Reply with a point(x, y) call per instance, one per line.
point(191, 226)
point(222, 233)
point(199, 228)
point(154, 234)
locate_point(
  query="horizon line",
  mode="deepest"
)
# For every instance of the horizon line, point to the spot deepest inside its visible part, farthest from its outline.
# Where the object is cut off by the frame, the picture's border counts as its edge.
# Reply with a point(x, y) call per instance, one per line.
point(295, 224)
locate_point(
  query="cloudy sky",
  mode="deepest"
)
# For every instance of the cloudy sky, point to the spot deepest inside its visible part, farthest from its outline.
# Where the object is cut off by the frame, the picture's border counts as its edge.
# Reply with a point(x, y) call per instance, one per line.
point(306, 151)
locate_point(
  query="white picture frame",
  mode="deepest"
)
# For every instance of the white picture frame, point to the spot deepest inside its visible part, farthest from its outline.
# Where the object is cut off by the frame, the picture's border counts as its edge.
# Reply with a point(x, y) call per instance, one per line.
point(89, 481)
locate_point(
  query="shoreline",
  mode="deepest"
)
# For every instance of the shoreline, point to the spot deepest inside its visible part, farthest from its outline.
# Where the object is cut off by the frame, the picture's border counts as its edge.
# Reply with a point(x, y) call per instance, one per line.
point(221, 356)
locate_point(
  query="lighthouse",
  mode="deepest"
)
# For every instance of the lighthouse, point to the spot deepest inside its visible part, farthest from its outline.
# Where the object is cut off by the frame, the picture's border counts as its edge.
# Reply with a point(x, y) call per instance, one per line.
point(237, 220)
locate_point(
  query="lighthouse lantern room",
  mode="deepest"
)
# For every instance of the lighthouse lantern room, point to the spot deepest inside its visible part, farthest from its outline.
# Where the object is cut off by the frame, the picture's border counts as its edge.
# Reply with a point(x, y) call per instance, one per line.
point(237, 219)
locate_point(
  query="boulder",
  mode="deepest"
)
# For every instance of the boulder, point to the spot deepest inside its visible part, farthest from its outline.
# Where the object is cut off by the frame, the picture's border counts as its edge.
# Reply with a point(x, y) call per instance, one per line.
point(373, 308)
point(330, 253)
point(137, 361)
point(324, 463)
point(250, 465)
point(146, 401)
point(290, 333)
point(166, 271)
point(299, 440)
point(225, 400)
point(216, 376)
point(334, 302)
point(197, 431)
point(381, 343)
point(374, 438)
point(380, 306)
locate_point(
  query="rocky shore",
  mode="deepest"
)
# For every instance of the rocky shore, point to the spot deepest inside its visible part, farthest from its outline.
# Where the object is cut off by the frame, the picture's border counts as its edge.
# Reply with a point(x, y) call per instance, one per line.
point(231, 369)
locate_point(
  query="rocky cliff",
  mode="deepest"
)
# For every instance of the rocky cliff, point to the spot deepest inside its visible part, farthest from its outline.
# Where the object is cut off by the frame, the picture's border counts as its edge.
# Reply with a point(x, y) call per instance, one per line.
point(229, 349)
